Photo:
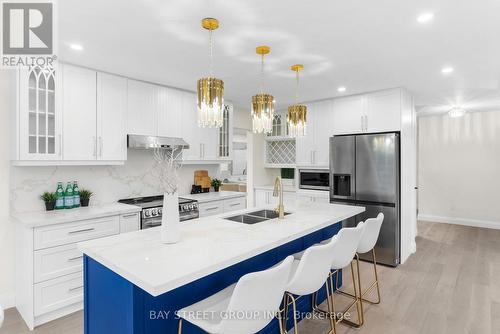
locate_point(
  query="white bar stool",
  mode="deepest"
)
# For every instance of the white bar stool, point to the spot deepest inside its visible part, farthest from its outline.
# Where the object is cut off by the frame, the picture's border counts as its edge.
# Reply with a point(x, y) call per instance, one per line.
point(233, 310)
point(367, 244)
point(308, 275)
point(348, 240)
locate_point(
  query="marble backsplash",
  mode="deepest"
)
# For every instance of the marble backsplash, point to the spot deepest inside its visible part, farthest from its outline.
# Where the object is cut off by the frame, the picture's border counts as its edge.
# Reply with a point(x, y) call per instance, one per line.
point(138, 177)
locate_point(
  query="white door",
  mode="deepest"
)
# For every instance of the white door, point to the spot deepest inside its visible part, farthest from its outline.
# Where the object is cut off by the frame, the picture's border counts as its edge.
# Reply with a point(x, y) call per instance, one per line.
point(189, 127)
point(348, 113)
point(170, 112)
point(305, 144)
point(111, 113)
point(142, 108)
point(383, 111)
point(323, 130)
point(79, 109)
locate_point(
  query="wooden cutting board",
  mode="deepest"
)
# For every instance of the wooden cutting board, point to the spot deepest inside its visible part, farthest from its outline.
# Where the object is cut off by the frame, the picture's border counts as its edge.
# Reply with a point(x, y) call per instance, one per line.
point(202, 179)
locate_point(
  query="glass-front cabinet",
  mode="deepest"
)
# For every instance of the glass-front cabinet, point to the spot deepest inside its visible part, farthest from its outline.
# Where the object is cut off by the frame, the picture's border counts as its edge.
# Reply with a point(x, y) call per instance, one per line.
point(225, 133)
point(38, 115)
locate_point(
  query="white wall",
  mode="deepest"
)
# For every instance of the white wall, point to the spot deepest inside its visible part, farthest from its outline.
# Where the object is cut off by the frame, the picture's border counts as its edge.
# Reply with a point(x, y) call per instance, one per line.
point(7, 104)
point(459, 169)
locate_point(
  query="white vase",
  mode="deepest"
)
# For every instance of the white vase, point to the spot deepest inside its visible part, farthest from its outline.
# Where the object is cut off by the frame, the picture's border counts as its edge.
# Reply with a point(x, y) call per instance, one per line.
point(170, 224)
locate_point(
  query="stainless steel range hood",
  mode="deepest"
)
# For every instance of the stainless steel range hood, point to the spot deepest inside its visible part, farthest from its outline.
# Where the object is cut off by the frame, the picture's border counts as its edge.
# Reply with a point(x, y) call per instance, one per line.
point(152, 142)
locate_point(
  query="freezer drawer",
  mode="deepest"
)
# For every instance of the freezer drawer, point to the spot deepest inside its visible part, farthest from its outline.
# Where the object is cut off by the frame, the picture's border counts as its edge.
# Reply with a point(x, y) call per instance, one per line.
point(387, 248)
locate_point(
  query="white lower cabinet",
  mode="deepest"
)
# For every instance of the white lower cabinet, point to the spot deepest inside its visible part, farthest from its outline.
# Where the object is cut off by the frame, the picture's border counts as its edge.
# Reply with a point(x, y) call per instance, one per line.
point(57, 293)
point(57, 261)
point(211, 208)
point(49, 271)
point(315, 196)
point(239, 203)
point(130, 222)
point(264, 197)
point(222, 206)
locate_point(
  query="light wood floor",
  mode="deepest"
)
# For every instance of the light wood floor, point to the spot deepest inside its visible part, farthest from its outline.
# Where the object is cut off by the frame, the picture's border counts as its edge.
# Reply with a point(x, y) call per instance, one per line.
point(451, 285)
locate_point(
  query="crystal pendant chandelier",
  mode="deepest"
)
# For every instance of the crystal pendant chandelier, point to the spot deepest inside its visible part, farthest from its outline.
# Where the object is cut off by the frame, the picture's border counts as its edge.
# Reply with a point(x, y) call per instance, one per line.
point(297, 113)
point(210, 89)
point(262, 104)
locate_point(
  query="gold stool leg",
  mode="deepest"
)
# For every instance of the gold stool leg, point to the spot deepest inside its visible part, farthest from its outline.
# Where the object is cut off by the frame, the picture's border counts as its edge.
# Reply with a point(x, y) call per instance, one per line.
point(179, 331)
point(280, 323)
point(376, 276)
point(294, 307)
point(331, 305)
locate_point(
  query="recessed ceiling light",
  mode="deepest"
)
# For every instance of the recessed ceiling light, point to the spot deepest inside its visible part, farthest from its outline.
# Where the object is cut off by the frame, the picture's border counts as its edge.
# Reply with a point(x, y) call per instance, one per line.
point(425, 17)
point(341, 89)
point(447, 70)
point(76, 47)
point(456, 112)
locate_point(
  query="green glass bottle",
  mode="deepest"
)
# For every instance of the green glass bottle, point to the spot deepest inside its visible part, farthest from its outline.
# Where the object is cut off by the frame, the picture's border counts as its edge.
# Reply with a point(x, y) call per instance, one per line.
point(76, 195)
point(68, 196)
point(59, 196)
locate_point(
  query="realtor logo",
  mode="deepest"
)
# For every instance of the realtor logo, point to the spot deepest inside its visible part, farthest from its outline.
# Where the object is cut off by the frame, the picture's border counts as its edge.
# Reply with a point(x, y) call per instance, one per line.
point(27, 33)
point(27, 28)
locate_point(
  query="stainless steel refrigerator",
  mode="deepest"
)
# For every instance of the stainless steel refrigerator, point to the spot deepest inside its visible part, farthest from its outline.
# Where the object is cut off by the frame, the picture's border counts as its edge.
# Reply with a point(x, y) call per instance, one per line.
point(365, 171)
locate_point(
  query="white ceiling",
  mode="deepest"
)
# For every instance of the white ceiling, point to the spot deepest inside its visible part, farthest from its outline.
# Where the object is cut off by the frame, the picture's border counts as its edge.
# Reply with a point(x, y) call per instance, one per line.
point(362, 45)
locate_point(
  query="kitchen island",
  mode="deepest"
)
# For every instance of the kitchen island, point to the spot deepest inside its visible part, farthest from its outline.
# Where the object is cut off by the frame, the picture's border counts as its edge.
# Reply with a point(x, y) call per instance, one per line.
point(133, 283)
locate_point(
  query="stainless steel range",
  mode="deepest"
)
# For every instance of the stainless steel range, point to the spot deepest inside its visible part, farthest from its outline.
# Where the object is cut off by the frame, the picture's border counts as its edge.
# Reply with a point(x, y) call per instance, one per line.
point(152, 207)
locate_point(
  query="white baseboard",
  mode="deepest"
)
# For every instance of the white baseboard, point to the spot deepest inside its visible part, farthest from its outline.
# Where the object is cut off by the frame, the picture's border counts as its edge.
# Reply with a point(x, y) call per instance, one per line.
point(8, 300)
point(460, 221)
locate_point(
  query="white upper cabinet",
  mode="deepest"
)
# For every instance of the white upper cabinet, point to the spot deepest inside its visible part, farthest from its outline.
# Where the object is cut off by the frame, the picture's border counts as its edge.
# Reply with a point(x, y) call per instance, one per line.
point(312, 149)
point(189, 125)
point(142, 108)
point(170, 112)
point(305, 144)
point(348, 114)
point(203, 142)
point(323, 130)
point(79, 109)
point(111, 116)
point(38, 120)
point(373, 112)
point(383, 111)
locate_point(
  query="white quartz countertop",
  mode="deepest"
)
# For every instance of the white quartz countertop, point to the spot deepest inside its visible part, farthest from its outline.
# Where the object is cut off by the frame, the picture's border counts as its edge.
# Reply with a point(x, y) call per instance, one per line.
point(214, 196)
point(207, 245)
point(42, 218)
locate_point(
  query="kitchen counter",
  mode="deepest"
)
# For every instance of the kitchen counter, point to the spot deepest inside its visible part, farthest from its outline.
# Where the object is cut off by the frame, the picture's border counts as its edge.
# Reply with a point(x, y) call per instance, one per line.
point(207, 245)
point(43, 218)
point(214, 196)
point(134, 283)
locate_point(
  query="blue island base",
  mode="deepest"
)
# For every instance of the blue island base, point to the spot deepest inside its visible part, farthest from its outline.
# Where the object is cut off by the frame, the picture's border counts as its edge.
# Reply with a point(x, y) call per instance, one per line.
point(112, 304)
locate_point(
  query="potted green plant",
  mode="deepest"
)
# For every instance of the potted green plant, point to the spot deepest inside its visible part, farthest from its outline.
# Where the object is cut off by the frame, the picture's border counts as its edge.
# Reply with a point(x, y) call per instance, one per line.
point(49, 199)
point(85, 197)
point(216, 183)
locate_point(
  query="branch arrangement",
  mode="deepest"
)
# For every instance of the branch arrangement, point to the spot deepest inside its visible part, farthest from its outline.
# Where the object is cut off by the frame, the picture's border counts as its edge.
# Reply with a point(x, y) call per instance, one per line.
point(167, 165)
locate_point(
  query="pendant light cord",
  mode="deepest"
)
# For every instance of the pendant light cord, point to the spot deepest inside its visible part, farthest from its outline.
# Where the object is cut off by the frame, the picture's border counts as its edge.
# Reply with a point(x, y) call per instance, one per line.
point(262, 74)
point(297, 87)
point(211, 52)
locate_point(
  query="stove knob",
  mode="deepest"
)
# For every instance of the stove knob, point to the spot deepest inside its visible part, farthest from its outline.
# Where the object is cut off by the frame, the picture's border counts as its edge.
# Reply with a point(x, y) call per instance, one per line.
point(147, 213)
point(186, 207)
point(191, 206)
point(154, 212)
point(160, 211)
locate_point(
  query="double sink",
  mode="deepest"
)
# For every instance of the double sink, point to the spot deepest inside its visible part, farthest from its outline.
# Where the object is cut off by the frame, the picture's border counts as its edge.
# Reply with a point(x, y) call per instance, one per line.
point(255, 217)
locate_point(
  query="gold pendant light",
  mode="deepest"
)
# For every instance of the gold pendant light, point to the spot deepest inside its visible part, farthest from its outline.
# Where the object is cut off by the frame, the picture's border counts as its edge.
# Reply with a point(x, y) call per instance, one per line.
point(210, 89)
point(262, 104)
point(297, 113)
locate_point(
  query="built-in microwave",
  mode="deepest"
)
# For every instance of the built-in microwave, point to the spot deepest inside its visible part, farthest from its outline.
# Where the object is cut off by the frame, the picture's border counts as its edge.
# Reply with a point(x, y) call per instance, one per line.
point(314, 179)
